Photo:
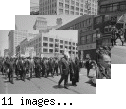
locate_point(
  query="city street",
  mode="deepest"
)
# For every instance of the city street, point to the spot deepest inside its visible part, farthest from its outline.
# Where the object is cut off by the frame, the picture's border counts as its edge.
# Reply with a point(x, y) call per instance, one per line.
point(47, 85)
point(118, 54)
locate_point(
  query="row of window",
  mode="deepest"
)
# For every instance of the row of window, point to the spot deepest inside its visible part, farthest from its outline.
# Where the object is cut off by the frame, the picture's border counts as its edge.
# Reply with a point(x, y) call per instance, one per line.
point(88, 39)
point(45, 2)
point(120, 6)
point(44, 7)
point(45, 50)
point(84, 24)
point(49, 12)
point(101, 19)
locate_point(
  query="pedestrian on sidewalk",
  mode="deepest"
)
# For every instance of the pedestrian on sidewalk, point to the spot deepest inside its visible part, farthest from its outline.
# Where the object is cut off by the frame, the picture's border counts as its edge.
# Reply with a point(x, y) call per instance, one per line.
point(88, 65)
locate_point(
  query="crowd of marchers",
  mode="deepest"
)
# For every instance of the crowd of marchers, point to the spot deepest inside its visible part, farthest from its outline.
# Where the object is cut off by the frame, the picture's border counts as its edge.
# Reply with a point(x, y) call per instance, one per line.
point(26, 68)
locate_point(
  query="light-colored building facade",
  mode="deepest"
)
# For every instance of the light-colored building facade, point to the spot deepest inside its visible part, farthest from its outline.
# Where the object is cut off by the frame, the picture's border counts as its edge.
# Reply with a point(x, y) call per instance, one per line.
point(49, 46)
point(6, 52)
point(42, 24)
point(67, 7)
point(111, 7)
point(86, 35)
point(15, 37)
point(34, 9)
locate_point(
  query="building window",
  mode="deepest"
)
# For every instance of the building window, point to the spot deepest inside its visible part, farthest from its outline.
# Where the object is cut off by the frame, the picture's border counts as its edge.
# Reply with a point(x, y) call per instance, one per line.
point(56, 40)
point(66, 42)
point(50, 50)
point(61, 46)
point(61, 51)
point(56, 50)
point(77, 13)
point(109, 8)
point(77, 4)
point(45, 44)
point(72, 2)
point(73, 43)
point(51, 39)
point(60, 5)
point(94, 37)
point(61, 41)
point(60, 11)
point(115, 7)
point(72, 13)
point(66, 6)
point(50, 45)
point(81, 13)
point(66, 12)
point(69, 43)
point(83, 40)
point(82, 5)
point(67, 1)
point(103, 9)
point(89, 38)
point(72, 7)
point(45, 38)
point(77, 9)
point(81, 10)
point(45, 50)
point(122, 6)
point(56, 45)
point(66, 47)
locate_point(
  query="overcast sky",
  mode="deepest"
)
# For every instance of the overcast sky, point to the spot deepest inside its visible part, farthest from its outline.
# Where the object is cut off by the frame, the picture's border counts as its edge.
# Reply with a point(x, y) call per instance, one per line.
point(26, 22)
point(3, 40)
point(34, 3)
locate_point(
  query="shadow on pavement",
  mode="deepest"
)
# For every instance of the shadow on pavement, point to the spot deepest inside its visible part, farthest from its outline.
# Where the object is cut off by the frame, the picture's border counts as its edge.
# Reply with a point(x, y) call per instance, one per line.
point(58, 87)
point(90, 82)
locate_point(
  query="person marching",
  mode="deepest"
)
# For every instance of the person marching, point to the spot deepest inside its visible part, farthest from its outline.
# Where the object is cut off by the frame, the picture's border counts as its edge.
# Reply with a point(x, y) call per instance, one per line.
point(64, 70)
point(88, 65)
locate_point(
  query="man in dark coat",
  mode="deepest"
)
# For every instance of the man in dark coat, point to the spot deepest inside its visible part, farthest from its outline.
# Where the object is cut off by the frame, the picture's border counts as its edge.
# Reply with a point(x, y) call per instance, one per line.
point(56, 66)
point(11, 70)
point(113, 36)
point(64, 71)
point(88, 65)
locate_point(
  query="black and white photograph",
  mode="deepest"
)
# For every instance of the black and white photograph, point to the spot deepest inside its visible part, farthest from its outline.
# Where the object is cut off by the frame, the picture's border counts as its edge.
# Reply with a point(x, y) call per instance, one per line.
point(63, 7)
point(37, 62)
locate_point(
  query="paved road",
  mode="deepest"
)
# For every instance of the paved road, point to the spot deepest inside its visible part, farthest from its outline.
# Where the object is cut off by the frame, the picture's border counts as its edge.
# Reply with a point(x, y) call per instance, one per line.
point(118, 54)
point(47, 86)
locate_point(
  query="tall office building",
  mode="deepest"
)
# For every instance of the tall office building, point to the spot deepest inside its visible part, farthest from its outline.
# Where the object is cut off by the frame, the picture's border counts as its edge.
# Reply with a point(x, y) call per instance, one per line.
point(15, 37)
point(111, 7)
point(86, 35)
point(67, 7)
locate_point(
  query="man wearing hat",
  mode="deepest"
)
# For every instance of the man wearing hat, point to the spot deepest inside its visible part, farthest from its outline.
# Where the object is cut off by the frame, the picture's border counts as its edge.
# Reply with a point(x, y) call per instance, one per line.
point(64, 69)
